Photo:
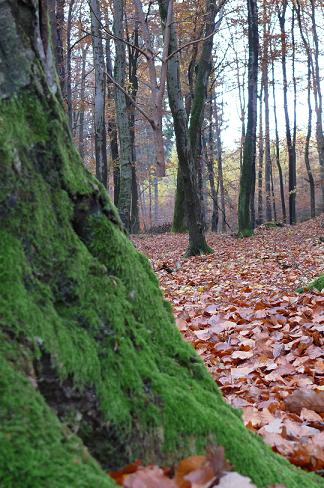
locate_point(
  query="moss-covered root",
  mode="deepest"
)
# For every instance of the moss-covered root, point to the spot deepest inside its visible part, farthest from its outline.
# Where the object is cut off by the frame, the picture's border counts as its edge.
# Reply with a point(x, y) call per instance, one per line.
point(35, 449)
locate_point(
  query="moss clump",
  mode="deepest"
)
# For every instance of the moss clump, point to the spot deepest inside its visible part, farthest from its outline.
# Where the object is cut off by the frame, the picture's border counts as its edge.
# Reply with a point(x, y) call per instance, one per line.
point(74, 289)
point(317, 284)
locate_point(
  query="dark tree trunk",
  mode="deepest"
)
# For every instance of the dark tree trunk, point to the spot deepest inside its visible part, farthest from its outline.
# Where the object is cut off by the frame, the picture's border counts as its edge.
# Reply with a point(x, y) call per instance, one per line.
point(197, 241)
point(290, 145)
point(100, 94)
point(124, 132)
point(133, 55)
point(260, 160)
point(265, 82)
point(82, 102)
point(68, 64)
point(247, 181)
point(59, 38)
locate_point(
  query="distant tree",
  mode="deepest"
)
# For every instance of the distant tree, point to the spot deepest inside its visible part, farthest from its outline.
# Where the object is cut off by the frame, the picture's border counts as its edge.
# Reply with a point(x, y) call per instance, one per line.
point(247, 181)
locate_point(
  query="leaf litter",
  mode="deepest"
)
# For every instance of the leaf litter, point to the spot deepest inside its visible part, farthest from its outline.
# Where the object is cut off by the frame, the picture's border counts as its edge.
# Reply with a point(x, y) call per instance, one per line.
point(261, 340)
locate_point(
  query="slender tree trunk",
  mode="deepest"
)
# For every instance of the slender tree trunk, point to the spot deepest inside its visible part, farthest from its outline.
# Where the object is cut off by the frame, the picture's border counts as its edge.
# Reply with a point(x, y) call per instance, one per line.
point(319, 102)
point(133, 55)
point(82, 101)
point(247, 181)
point(307, 143)
point(112, 126)
point(59, 46)
point(310, 115)
point(124, 133)
point(100, 92)
point(260, 160)
point(210, 158)
point(197, 241)
point(265, 81)
point(290, 145)
point(278, 163)
point(69, 65)
point(219, 157)
point(274, 208)
point(156, 200)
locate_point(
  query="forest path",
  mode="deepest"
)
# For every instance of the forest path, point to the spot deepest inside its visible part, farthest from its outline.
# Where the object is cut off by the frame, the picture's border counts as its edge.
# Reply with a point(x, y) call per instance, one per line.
point(261, 341)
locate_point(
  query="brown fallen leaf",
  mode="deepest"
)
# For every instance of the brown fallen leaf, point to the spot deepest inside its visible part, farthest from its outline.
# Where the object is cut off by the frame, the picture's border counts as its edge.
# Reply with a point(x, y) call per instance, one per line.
point(309, 399)
point(310, 415)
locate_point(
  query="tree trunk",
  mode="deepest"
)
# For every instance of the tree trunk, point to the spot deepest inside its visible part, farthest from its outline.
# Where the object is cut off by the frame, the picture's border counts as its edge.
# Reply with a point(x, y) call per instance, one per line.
point(112, 127)
point(265, 82)
point(260, 160)
point(210, 158)
point(82, 101)
point(219, 157)
point(247, 181)
point(93, 368)
point(278, 163)
point(124, 133)
point(100, 93)
point(290, 145)
point(310, 116)
point(68, 64)
point(179, 222)
point(197, 242)
point(59, 44)
point(318, 102)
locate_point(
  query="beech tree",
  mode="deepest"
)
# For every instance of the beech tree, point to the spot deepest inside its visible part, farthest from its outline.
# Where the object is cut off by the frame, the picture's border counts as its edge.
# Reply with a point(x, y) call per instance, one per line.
point(247, 181)
point(94, 373)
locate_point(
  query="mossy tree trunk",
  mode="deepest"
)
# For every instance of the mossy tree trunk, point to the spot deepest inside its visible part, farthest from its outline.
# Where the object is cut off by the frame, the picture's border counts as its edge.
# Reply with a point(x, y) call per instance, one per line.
point(93, 371)
point(247, 181)
point(197, 241)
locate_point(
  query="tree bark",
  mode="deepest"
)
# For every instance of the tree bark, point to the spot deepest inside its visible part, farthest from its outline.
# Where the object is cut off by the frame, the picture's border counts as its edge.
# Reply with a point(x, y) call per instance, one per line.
point(197, 241)
point(278, 163)
point(290, 145)
point(247, 181)
point(260, 160)
point(124, 133)
point(310, 116)
point(112, 127)
point(265, 82)
point(318, 102)
point(68, 65)
point(82, 101)
point(100, 93)
point(219, 157)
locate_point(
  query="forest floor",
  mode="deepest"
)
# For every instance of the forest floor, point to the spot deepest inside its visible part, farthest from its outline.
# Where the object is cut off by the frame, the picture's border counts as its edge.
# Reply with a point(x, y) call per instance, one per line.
point(261, 340)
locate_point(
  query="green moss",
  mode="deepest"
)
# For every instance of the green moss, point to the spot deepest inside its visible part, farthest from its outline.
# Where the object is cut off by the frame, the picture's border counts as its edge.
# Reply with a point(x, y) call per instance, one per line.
point(317, 284)
point(73, 286)
point(35, 448)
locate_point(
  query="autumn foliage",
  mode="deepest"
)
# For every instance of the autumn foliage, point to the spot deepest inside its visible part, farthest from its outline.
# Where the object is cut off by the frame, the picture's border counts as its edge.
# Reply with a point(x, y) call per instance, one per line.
point(260, 339)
